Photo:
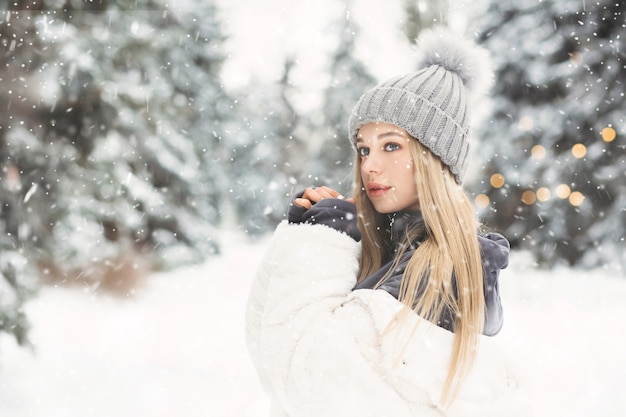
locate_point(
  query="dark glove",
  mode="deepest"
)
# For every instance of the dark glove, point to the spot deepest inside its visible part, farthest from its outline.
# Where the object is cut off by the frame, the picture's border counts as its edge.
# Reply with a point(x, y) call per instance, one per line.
point(295, 212)
point(332, 212)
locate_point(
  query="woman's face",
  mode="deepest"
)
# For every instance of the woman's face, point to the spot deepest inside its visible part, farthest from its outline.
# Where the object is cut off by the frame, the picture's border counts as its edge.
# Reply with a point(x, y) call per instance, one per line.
point(387, 169)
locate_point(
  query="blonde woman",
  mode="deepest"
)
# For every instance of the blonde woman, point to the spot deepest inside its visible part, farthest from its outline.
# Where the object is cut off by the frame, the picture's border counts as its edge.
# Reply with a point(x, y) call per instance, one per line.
point(377, 305)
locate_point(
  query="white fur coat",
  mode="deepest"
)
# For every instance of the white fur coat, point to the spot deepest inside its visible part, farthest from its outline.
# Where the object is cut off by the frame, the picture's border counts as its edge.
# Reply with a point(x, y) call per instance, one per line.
point(320, 351)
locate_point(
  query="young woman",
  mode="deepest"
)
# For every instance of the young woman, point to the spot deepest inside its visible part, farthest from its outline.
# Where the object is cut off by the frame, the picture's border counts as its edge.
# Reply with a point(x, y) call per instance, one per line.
point(377, 305)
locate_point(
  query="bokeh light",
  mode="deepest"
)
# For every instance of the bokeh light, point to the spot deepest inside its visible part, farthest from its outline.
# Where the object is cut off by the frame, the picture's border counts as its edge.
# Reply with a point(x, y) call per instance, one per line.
point(482, 201)
point(608, 134)
point(538, 152)
point(563, 191)
point(543, 194)
point(576, 198)
point(497, 180)
point(529, 197)
point(576, 58)
point(526, 123)
point(579, 150)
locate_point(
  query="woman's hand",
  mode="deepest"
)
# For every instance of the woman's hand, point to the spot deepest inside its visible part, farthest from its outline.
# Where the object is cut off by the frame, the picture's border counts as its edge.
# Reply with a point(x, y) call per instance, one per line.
point(306, 207)
point(313, 195)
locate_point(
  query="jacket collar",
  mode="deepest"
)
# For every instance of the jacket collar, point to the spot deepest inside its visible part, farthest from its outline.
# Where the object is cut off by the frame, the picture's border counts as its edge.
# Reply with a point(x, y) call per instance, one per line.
point(403, 222)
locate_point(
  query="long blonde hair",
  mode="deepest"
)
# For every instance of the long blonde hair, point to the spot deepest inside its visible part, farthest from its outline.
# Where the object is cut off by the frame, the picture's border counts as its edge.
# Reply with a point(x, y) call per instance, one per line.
point(450, 246)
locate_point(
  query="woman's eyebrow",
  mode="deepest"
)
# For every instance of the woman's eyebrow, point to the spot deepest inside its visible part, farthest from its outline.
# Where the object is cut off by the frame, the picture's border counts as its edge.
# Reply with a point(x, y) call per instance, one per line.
point(383, 135)
point(388, 134)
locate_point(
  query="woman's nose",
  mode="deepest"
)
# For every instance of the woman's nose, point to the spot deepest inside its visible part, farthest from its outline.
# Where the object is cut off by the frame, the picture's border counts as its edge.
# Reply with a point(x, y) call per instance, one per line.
point(371, 164)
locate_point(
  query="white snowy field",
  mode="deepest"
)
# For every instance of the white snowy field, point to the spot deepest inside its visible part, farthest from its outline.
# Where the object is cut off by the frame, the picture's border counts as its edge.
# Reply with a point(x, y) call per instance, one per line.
point(176, 348)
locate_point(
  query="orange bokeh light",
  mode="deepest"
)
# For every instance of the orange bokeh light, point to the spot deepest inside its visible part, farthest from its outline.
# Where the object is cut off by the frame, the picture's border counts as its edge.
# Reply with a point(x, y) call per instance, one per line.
point(543, 194)
point(608, 134)
point(482, 201)
point(538, 152)
point(576, 198)
point(497, 180)
point(579, 150)
point(529, 197)
point(563, 191)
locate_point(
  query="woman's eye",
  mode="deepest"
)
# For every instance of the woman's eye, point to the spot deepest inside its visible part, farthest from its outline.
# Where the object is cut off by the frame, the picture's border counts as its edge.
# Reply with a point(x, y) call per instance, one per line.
point(363, 151)
point(390, 147)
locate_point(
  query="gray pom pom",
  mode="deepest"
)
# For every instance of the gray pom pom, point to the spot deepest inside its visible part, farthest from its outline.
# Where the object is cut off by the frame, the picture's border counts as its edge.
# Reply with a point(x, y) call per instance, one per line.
point(472, 63)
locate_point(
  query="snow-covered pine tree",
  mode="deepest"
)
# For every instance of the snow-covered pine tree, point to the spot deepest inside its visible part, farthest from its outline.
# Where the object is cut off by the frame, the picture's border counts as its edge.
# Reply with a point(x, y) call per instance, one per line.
point(349, 79)
point(423, 14)
point(110, 119)
point(264, 154)
point(20, 224)
point(555, 136)
point(172, 107)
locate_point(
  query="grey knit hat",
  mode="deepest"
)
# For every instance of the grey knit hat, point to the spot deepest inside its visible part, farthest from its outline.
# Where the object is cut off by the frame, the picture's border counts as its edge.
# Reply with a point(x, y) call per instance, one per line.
point(432, 104)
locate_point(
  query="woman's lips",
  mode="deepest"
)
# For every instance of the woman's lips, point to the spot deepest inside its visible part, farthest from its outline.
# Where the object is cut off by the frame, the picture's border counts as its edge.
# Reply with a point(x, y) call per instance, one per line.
point(376, 190)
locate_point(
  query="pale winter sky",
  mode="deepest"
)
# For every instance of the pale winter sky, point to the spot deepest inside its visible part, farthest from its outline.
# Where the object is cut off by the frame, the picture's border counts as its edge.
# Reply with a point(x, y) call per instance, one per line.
point(262, 33)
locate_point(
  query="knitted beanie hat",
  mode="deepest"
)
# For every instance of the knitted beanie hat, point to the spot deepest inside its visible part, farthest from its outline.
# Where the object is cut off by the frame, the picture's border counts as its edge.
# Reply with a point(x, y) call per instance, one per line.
point(432, 104)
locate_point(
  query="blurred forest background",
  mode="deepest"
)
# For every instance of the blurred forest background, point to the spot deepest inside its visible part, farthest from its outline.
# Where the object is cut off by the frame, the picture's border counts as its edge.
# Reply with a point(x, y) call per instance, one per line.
point(123, 151)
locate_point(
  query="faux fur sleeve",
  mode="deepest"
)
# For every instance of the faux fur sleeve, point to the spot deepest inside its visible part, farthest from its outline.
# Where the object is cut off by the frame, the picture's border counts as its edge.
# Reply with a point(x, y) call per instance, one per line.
point(305, 349)
point(322, 349)
point(304, 265)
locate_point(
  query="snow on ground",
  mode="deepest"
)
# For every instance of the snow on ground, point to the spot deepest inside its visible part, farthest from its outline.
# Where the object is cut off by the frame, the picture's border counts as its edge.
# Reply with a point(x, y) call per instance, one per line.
point(176, 348)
